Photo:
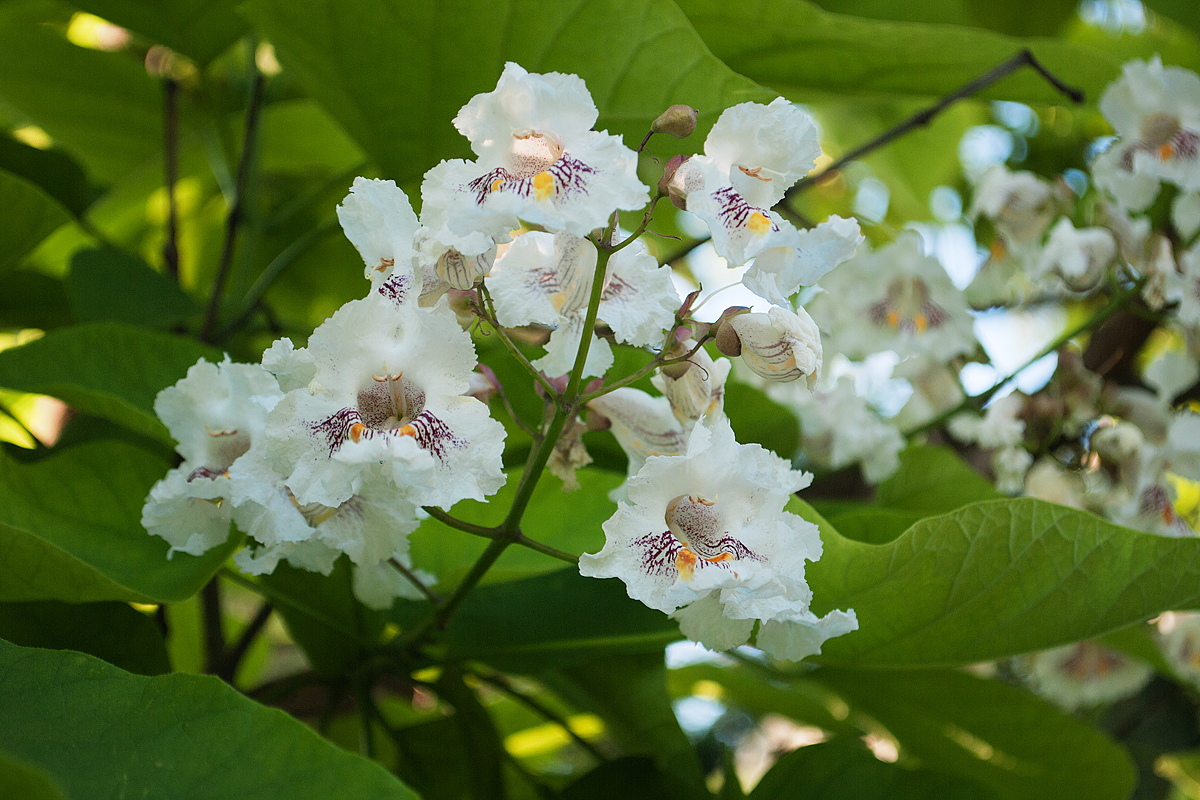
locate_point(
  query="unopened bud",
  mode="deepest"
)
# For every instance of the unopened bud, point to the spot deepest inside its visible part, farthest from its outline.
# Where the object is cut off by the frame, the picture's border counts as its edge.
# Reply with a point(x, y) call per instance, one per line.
point(671, 188)
point(678, 121)
point(780, 345)
point(724, 335)
point(699, 390)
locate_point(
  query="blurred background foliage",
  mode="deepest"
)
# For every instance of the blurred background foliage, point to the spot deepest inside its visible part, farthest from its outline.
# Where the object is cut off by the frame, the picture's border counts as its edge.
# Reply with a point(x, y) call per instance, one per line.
point(369, 87)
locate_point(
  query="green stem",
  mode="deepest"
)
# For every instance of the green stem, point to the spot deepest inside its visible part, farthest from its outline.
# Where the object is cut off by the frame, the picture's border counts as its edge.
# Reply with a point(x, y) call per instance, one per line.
point(489, 313)
point(462, 525)
point(525, 541)
point(281, 599)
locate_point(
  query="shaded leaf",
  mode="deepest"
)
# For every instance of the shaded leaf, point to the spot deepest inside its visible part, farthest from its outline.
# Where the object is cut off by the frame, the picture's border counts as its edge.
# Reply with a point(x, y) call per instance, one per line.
point(630, 778)
point(110, 285)
point(32, 300)
point(53, 171)
point(70, 529)
point(757, 419)
point(106, 369)
point(201, 29)
point(104, 733)
point(26, 782)
point(114, 632)
point(30, 215)
point(637, 56)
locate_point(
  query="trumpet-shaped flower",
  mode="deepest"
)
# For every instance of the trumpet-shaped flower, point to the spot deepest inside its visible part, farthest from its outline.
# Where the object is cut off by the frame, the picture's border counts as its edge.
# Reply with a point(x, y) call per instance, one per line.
point(1155, 111)
point(1085, 674)
point(384, 395)
point(1080, 256)
point(895, 298)
point(548, 279)
point(781, 345)
point(700, 391)
point(1020, 205)
point(803, 258)
point(539, 159)
point(705, 535)
point(378, 219)
point(643, 425)
point(215, 414)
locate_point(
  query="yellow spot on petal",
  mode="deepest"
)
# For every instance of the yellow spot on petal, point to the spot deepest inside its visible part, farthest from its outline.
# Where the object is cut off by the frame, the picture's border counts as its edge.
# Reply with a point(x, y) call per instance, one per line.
point(685, 562)
point(1166, 152)
point(893, 320)
point(407, 430)
point(497, 184)
point(357, 430)
point(758, 223)
point(921, 322)
point(543, 185)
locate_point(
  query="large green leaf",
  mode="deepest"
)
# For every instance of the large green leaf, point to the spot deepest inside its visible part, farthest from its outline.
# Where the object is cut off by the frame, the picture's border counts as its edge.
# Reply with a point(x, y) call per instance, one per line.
point(1025, 17)
point(569, 522)
point(114, 632)
point(630, 778)
point(26, 782)
point(359, 59)
point(557, 618)
point(197, 28)
point(103, 107)
point(110, 285)
point(846, 770)
point(70, 529)
point(104, 733)
point(756, 418)
point(55, 172)
point(1017, 745)
point(805, 52)
point(32, 300)
point(106, 369)
point(30, 215)
point(994, 579)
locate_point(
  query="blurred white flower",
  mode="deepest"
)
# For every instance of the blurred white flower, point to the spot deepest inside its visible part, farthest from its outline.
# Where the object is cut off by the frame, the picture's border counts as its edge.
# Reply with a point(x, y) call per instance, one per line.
point(1085, 674)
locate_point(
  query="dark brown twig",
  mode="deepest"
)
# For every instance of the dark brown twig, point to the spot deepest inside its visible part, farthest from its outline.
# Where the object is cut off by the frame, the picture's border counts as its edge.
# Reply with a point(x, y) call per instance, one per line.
point(214, 627)
point(170, 251)
point(237, 210)
point(233, 659)
point(412, 578)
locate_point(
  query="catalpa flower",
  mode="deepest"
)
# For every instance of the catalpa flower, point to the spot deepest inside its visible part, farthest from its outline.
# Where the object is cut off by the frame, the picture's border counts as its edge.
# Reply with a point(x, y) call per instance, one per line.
point(539, 160)
point(379, 221)
point(1183, 287)
point(547, 279)
point(1179, 636)
point(1019, 205)
point(1080, 256)
point(705, 535)
point(379, 389)
point(802, 258)
point(699, 391)
point(215, 414)
point(1162, 469)
point(895, 298)
point(1085, 674)
point(779, 346)
point(1155, 111)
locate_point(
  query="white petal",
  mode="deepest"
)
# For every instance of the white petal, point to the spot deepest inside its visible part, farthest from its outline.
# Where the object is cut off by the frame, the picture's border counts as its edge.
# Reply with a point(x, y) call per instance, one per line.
point(779, 272)
point(795, 639)
point(639, 299)
point(379, 221)
point(703, 622)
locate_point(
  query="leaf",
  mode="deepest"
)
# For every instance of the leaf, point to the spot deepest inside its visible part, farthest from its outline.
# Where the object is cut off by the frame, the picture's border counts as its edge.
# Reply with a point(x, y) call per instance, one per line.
point(846, 770)
point(201, 29)
point(70, 529)
point(480, 741)
point(756, 418)
point(1001, 736)
point(804, 52)
point(53, 171)
point(26, 782)
point(102, 107)
point(114, 632)
point(569, 522)
point(297, 136)
point(103, 733)
point(630, 694)
point(32, 300)
point(637, 56)
point(995, 579)
point(110, 285)
point(105, 368)
point(30, 215)
point(557, 618)
point(629, 778)
point(339, 636)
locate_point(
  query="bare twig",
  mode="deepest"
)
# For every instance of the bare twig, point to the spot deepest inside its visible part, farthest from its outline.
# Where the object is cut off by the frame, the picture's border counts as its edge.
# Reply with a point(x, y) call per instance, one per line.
point(234, 658)
point(433, 596)
point(237, 211)
point(170, 249)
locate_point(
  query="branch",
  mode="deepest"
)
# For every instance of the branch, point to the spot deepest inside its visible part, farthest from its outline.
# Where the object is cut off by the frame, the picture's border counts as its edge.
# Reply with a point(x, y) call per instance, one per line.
point(1025, 58)
point(236, 212)
point(432, 596)
point(234, 658)
point(502, 683)
point(214, 630)
point(170, 250)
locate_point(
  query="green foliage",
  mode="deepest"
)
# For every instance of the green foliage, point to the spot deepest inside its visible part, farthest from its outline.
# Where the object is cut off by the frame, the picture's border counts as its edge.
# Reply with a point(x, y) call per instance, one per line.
point(114, 632)
point(53, 171)
point(70, 529)
point(107, 369)
point(200, 29)
point(32, 300)
point(756, 418)
point(994, 579)
point(31, 216)
point(18, 779)
point(111, 286)
point(845, 770)
point(355, 59)
point(103, 733)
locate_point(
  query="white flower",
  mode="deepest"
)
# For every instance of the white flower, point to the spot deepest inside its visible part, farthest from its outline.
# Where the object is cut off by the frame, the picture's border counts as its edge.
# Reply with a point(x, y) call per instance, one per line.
point(643, 425)
point(1170, 373)
point(752, 155)
point(1019, 204)
point(705, 535)
point(1009, 464)
point(840, 429)
point(1085, 674)
point(804, 258)
point(1185, 214)
point(698, 392)
point(378, 219)
point(1046, 480)
point(1077, 256)
point(895, 298)
point(547, 279)
point(1184, 288)
point(215, 414)
point(539, 159)
point(385, 396)
point(378, 586)
point(1156, 114)
point(1179, 636)
point(1000, 425)
point(780, 345)
point(1152, 507)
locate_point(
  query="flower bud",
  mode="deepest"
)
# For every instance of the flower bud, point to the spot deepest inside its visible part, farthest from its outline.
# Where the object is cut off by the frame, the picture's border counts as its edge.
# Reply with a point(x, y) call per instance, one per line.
point(780, 345)
point(678, 121)
point(699, 390)
point(724, 336)
point(671, 188)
